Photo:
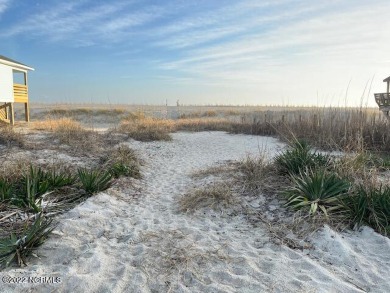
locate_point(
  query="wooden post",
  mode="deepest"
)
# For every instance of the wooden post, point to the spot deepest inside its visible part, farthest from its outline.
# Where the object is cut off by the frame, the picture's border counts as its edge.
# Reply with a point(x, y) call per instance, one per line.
point(26, 105)
point(11, 114)
point(27, 112)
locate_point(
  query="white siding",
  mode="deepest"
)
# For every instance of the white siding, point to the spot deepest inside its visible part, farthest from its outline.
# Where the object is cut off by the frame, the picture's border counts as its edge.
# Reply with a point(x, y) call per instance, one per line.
point(6, 84)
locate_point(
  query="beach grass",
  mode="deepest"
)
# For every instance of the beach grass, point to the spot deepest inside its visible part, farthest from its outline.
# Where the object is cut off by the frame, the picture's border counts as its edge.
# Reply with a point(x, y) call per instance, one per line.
point(361, 133)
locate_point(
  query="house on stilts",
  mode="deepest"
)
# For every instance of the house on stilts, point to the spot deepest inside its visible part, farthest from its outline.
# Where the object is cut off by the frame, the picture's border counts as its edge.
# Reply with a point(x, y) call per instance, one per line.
point(13, 88)
point(383, 100)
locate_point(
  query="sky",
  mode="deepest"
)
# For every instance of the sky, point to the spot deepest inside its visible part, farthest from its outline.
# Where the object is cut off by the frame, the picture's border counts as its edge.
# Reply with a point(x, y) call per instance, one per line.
point(214, 52)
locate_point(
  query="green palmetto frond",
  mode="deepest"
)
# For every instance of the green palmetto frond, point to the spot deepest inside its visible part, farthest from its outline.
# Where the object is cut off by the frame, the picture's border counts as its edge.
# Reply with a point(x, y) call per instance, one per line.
point(369, 206)
point(299, 157)
point(94, 180)
point(19, 247)
point(58, 179)
point(316, 190)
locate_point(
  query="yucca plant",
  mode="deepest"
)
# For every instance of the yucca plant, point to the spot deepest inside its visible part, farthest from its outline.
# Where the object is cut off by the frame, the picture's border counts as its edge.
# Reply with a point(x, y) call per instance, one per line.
point(369, 206)
point(6, 189)
point(36, 181)
point(30, 189)
point(94, 180)
point(17, 248)
point(121, 169)
point(58, 179)
point(299, 157)
point(316, 190)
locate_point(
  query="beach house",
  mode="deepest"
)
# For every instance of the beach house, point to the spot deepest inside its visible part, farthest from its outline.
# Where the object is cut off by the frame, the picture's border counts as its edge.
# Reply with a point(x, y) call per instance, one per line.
point(13, 88)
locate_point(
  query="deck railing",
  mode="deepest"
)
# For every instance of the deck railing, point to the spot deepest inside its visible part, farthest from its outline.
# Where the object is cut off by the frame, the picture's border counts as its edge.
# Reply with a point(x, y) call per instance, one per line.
point(20, 93)
point(383, 100)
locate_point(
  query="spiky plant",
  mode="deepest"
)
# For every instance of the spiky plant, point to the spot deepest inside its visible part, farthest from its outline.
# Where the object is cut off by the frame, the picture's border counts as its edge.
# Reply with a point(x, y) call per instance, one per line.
point(299, 157)
point(17, 248)
point(31, 187)
point(315, 190)
point(6, 189)
point(94, 181)
point(369, 206)
point(36, 181)
point(58, 179)
point(121, 169)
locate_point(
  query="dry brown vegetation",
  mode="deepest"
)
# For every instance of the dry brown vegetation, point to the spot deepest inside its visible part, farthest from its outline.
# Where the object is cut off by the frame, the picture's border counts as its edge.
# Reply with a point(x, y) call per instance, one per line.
point(147, 129)
point(9, 137)
point(348, 129)
point(328, 128)
point(215, 196)
point(71, 132)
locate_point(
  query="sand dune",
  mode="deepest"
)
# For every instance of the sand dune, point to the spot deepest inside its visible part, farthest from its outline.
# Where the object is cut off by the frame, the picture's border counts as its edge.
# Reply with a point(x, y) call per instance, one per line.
point(136, 240)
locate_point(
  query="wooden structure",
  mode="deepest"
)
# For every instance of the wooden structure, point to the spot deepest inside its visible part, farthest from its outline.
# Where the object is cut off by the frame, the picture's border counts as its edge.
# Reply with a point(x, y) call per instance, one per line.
point(383, 99)
point(13, 88)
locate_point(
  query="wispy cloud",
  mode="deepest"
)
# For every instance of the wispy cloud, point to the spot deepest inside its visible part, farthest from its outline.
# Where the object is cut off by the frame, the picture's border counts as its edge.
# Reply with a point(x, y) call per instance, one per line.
point(4, 4)
point(87, 22)
point(337, 34)
point(245, 43)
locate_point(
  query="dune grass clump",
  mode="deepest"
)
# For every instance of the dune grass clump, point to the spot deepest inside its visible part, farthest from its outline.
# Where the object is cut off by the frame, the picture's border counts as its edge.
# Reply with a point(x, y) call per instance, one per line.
point(147, 129)
point(123, 162)
point(9, 137)
point(70, 132)
point(369, 206)
point(60, 125)
point(214, 196)
point(209, 123)
point(257, 174)
point(18, 247)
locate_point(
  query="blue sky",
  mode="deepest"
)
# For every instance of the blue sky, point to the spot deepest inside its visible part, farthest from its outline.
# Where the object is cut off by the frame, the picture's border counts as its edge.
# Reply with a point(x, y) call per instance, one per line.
point(279, 52)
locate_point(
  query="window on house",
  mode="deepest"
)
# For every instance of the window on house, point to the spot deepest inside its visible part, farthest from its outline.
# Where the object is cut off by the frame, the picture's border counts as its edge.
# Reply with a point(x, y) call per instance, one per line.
point(19, 77)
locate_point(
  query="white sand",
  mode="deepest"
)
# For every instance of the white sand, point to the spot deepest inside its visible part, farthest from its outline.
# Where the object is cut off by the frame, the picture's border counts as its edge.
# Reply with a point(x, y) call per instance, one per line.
point(137, 241)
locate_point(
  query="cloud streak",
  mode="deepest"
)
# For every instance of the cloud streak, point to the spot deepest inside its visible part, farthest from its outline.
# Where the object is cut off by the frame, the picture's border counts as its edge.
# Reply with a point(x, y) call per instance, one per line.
point(244, 43)
point(4, 4)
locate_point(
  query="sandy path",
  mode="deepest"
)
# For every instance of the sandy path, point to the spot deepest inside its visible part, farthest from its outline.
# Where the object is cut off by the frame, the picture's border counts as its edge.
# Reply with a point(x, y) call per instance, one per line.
point(120, 244)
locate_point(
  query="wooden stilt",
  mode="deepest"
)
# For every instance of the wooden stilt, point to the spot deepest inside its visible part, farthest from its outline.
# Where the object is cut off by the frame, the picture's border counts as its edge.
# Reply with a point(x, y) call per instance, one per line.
point(27, 112)
point(12, 114)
